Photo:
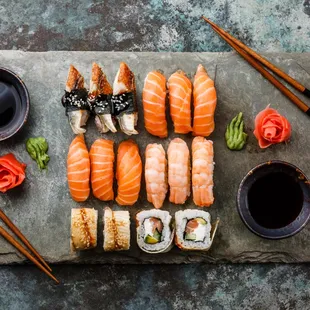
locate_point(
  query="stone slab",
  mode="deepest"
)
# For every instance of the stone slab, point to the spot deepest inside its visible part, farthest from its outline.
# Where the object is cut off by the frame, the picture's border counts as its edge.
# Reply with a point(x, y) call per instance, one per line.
point(41, 206)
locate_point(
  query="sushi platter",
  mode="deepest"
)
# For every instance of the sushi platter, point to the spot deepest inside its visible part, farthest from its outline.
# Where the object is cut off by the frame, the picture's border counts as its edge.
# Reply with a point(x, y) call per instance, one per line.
point(51, 207)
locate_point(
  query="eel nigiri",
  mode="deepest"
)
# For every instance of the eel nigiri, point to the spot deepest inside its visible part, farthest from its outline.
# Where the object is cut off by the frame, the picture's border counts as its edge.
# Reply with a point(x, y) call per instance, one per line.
point(180, 91)
point(124, 100)
point(204, 103)
point(101, 160)
point(156, 174)
point(99, 96)
point(128, 173)
point(202, 172)
point(78, 169)
point(75, 101)
point(154, 104)
point(178, 171)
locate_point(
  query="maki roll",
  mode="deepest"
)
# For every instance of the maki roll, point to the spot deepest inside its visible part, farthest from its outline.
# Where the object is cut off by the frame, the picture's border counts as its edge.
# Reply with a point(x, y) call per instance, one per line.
point(83, 229)
point(75, 101)
point(124, 102)
point(154, 231)
point(99, 97)
point(116, 230)
point(194, 230)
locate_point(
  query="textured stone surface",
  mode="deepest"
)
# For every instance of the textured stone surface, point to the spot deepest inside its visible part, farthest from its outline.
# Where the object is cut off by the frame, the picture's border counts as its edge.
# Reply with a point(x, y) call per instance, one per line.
point(153, 25)
point(43, 203)
point(173, 287)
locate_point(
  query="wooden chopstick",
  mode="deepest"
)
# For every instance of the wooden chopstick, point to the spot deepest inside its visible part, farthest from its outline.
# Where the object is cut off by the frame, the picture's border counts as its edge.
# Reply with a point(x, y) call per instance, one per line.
point(21, 249)
point(262, 60)
point(18, 233)
point(266, 74)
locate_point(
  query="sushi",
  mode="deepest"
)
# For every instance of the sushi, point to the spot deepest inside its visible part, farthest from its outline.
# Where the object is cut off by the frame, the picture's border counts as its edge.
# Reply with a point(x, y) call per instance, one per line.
point(194, 230)
point(99, 96)
point(128, 173)
point(124, 102)
point(83, 229)
point(116, 230)
point(75, 101)
point(178, 171)
point(180, 92)
point(154, 104)
point(204, 103)
point(154, 231)
point(78, 169)
point(202, 172)
point(101, 160)
point(156, 174)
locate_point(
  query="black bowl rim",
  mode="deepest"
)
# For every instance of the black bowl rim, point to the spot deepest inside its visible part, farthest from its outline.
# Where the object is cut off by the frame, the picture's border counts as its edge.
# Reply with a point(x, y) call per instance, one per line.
point(265, 232)
point(26, 93)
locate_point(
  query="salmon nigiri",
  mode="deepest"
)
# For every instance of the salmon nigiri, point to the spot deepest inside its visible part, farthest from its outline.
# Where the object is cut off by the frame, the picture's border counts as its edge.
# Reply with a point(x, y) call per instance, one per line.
point(128, 173)
point(180, 91)
point(202, 173)
point(178, 171)
point(154, 104)
point(78, 169)
point(101, 160)
point(204, 103)
point(156, 174)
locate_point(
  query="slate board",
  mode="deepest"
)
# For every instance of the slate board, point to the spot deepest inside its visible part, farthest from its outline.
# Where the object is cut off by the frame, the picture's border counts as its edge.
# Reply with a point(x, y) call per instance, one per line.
point(41, 206)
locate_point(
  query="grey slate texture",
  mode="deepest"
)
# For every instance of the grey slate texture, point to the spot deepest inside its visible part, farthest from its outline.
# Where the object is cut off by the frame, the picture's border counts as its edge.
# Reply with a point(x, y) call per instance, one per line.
point(42, 206)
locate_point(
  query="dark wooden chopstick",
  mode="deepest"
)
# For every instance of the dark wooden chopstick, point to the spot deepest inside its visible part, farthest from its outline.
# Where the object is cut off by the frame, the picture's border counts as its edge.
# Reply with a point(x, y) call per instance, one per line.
point(262, 60)
point(21, 249)
point(266, 74)
point(18, 233)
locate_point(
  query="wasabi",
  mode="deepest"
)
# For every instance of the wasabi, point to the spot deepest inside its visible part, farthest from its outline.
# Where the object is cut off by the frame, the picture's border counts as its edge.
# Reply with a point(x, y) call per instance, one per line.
point(37, 148)
point(235, 136)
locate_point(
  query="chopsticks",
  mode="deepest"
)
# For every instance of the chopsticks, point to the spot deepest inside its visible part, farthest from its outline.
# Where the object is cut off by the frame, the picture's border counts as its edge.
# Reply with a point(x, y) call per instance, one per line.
point(251, 56)
point(39, 262)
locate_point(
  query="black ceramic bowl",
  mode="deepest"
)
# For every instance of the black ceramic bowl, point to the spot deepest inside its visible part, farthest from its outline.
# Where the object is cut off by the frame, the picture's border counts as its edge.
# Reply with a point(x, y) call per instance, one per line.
point(14, 103)
point(261, 189)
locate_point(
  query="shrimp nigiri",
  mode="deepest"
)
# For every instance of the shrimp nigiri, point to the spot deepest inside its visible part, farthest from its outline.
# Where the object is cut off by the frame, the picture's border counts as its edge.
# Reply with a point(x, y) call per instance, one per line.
point(204, 103)
point(154, 104)
point(101, 160)
point(180, 91)
point(156, 174)
point(75, 101)
point(178, 171)
point(128, 173)
point(202, 173)
point(124, 100)
point(99, 96)
point(78, 169)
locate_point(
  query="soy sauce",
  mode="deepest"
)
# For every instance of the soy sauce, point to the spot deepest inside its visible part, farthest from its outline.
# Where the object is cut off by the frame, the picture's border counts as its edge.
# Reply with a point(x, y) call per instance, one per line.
point(10, 104)
point(275, 200)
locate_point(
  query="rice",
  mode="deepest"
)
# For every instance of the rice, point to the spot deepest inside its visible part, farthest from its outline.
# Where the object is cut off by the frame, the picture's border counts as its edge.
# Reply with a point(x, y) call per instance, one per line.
point(181, 218)
point(166, 236)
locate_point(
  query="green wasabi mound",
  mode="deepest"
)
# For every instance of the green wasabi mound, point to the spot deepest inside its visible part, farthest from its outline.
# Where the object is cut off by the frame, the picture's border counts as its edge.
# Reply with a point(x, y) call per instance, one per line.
point(37, 148)
point(235, 136)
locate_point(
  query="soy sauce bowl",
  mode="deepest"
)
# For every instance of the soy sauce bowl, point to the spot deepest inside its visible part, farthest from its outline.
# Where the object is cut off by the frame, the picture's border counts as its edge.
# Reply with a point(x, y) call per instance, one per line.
point(273, 200)
point(14, 103)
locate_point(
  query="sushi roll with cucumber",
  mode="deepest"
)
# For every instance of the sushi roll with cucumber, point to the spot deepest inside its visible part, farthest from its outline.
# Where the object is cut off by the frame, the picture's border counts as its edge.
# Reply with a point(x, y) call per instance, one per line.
point(155, 232)
point(116, 230)
point(193, 230)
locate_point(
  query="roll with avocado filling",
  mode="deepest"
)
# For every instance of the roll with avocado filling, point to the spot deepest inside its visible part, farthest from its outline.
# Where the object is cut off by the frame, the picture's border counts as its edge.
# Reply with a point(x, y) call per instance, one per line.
point(193, 230)
point(196, 229)
point(153, 228)
point(154, 231)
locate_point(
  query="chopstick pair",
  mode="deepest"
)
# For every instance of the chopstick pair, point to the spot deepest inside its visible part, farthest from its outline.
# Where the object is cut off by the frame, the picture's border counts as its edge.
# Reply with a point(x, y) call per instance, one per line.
point(38, 261)
point(256, 60)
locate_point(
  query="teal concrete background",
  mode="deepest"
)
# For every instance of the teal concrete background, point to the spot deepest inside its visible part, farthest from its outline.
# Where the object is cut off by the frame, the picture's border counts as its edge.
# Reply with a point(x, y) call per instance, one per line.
point(153, 25)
